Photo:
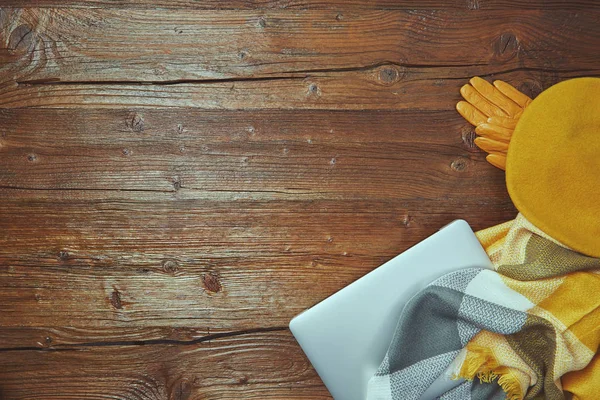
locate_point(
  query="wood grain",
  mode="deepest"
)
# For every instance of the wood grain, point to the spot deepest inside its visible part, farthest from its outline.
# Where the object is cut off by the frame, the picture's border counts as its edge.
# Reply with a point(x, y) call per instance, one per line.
point(176, 184)
point(251, 366)
point(44, 45)
point(293, 5)
point(196, 154)
point(159, 219)
point(309, 59)
point(363, 90)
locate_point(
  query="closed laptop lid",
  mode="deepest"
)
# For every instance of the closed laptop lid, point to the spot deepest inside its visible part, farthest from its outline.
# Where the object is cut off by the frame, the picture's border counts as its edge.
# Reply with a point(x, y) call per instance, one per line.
point(347, 335)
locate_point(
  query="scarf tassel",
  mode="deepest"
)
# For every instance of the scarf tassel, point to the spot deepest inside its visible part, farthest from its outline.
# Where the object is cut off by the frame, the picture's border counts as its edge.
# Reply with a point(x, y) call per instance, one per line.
point(480, 362)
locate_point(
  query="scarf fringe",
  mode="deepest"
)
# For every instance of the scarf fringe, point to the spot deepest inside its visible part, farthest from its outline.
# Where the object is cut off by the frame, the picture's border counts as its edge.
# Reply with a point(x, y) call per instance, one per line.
point(480, 362)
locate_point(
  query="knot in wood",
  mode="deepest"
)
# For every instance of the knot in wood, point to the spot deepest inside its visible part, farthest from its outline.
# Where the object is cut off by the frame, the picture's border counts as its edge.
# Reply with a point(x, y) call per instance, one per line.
point(459, 164)
point(177, 185)
point(136, 122)
point(533, 88)
point(473, 4)
point(468, 137)
point(181, 390)
point(243, 380)
point(211, 283)
point(506, 47)
point(170, 267)
point(388, 74)
point(115, 299)
point(20, 38)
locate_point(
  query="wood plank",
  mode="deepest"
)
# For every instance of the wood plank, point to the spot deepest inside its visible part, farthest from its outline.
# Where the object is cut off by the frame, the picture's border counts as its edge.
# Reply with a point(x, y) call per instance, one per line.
point(418, 89)
point(162, 251)
point(196, 154)
point(163, 271)
point(252, 366)
point(314, 4)
point(108, 243)
point(111, 45)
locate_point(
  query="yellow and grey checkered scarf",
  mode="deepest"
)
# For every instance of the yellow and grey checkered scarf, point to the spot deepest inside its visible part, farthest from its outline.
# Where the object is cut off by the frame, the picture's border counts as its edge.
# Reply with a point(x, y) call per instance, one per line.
point(528, 330)
point(555, 349)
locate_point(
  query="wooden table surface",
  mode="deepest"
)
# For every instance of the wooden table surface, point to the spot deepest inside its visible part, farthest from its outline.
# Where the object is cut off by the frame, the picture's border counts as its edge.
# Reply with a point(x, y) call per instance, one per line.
point(179, 178)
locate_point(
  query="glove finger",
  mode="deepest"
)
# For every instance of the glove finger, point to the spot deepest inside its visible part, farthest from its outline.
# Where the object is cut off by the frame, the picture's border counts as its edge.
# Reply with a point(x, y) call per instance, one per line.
point(509, 91)
point(470, 113)
point(508, 123)
point(494, 132)
point(491, 146)
point(477, 100)
point(497, 160)
point(495, 96)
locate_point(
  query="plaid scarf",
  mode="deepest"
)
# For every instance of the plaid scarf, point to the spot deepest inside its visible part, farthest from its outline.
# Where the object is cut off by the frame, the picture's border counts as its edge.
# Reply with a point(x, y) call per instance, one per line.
point(528, 330)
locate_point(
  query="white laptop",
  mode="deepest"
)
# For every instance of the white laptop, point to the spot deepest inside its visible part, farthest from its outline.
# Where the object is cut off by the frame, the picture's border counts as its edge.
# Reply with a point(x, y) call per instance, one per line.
point(347, 335)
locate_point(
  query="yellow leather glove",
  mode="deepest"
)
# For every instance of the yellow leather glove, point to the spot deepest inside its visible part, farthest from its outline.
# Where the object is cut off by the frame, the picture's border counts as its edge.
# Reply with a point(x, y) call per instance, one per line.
point(494, 111)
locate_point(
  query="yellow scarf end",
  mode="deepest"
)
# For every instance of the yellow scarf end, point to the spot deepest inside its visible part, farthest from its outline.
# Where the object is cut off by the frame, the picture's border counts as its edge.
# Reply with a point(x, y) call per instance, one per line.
point(481, 363)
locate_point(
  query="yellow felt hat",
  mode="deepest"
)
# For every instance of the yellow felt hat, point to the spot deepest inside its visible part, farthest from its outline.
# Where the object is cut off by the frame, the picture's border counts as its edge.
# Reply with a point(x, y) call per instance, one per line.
point(553, 164)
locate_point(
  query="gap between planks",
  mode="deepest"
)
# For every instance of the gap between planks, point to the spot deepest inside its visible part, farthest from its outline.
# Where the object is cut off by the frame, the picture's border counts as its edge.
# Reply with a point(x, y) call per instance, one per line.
point(294, 75)
point(148, 342)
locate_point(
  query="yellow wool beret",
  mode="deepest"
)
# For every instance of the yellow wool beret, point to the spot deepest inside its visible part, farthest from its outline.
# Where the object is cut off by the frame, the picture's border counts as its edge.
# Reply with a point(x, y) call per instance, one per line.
point(553, 164)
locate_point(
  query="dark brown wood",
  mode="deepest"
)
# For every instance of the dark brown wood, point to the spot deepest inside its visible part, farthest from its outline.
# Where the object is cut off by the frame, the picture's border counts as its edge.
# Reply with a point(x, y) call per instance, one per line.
point(203, 220)
point(294, 5)
point(176, 185)
point(309, 59)
point(249, 366)
point(361, 90)
point(120, 46)
point(216, 155)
